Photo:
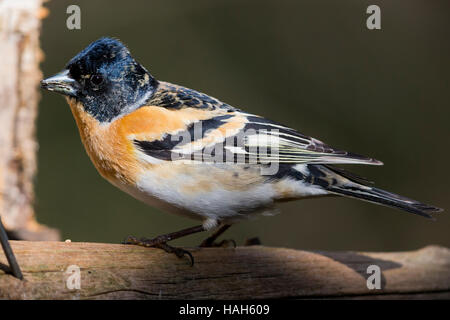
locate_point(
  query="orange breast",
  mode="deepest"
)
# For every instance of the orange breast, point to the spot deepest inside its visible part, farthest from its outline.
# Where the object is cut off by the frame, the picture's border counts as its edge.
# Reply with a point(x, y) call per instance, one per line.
point(109, 150)
point(110, 146)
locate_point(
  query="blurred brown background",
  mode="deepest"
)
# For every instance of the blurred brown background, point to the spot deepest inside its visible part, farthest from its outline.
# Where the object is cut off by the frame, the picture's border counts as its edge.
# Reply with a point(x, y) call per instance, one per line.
point(312, 65)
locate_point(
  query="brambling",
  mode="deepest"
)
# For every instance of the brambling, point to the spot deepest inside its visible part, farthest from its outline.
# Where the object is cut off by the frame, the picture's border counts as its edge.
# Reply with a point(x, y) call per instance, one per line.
point(191, 154)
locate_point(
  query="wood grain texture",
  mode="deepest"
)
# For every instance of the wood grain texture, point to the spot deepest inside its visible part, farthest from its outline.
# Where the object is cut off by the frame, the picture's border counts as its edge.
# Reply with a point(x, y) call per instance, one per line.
point(20, 23)
point(113, 271)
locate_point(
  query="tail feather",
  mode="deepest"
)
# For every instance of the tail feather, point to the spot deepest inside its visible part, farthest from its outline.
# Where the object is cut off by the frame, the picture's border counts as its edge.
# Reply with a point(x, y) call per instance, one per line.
point(382, 197)
point(354, 187)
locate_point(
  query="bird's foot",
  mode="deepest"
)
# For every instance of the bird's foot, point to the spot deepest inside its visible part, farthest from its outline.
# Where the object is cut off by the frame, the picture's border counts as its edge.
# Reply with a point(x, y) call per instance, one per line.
point(210, 243)
point(211, 240)
point(252, 242)
point(160, 243)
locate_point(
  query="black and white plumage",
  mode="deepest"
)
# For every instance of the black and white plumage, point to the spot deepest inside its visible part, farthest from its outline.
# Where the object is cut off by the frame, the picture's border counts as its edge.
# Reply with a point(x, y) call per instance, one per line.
point(305, 164)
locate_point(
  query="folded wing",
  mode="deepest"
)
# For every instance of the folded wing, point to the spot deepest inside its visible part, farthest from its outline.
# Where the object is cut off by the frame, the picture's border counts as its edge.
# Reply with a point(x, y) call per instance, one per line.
point(237, 136)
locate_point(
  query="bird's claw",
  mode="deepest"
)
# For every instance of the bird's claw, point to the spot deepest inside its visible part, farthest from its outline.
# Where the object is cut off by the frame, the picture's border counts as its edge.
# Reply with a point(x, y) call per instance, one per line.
point(179, 252)
point(222, 244)
point(252, 242)
point(144, 242)
point(130, 240)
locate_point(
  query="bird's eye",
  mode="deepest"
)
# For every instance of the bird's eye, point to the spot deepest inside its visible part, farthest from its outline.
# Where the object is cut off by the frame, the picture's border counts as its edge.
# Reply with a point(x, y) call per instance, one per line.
point(97, 79)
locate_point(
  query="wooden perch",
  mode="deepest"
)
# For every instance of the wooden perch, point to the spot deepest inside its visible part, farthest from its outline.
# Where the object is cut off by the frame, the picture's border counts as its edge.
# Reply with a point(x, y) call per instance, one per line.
point(113, 271)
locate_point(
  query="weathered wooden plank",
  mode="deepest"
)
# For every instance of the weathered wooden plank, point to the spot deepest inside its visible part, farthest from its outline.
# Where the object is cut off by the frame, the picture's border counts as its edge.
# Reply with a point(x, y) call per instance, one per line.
point(113, 271)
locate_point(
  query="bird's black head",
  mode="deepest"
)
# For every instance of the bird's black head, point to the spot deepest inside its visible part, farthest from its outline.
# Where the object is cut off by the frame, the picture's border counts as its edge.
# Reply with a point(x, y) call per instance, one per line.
point(106, 79)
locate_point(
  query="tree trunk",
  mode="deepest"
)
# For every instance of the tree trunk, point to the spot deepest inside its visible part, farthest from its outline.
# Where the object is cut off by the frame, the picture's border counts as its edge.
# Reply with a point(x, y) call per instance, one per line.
point(20, 23)
point(113, 271)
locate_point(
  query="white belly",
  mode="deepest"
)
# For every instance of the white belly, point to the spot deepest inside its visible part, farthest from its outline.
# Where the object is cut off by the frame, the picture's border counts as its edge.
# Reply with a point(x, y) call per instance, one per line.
point(212, 192)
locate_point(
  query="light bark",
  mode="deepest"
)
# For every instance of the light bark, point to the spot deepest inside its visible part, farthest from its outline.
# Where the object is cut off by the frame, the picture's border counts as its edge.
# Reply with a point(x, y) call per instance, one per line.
point(20, 54)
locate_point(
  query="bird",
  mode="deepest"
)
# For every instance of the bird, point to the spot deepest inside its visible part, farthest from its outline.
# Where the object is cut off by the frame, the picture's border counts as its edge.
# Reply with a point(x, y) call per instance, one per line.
point(188, 153)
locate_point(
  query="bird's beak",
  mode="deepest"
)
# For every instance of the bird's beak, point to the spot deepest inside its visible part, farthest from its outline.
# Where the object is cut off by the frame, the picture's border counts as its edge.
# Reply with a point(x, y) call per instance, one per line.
point(61, 83)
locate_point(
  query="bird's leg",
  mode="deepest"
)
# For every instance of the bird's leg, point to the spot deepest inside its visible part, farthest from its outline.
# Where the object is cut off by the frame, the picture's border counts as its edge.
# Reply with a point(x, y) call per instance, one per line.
point(161, 241)
point(210, 241)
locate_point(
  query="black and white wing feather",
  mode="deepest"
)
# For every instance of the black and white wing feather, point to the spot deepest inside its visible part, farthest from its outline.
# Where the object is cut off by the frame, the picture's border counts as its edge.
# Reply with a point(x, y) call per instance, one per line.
point(273, 142)
point(236, 136)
